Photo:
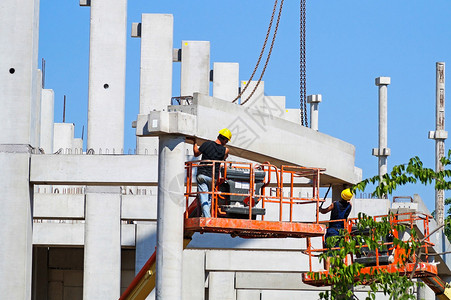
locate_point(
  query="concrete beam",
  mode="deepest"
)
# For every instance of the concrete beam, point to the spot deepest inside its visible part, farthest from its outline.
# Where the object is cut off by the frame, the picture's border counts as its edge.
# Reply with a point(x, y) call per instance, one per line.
point(61, 206)
point(257, 136)
point(58, 234)
point(93, 169)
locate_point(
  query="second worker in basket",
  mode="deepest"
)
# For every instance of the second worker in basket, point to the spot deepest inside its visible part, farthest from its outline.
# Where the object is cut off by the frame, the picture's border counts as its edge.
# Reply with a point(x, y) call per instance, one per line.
point(210, 150)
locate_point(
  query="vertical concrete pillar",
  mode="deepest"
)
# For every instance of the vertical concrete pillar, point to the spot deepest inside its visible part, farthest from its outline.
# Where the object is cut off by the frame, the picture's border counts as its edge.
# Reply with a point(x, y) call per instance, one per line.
point(145, 243)
point(156, 32)
point(258, 95)
point(36, 111)
point(47, 112)
point(314, 101)
point(439, 135)
point(382, 152)
point(107, 75)
point(19, 32)
point(195, 69)
point(225, 80)
point(171, 174)
point(102, 252)
point(63, 134)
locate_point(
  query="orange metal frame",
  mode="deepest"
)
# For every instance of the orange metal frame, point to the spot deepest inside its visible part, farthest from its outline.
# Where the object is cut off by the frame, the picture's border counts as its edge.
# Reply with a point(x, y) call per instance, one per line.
point(422, 269)
point(283, 180)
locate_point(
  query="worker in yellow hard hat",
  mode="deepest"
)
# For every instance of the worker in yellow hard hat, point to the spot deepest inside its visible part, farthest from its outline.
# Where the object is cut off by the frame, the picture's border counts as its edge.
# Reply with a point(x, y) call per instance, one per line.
point(210, 150)
point(339, 213)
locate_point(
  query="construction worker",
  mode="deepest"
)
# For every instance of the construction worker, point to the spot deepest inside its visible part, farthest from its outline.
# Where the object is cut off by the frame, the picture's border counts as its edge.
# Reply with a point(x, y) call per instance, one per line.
point(339, 211)
point(210, 150)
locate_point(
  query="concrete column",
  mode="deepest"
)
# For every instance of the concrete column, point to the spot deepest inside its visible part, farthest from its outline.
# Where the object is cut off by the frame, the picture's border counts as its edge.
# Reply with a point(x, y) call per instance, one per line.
point(107, 75)
point(19, 32)
point(145, 243)
point(36, 111)
point(18, 65)
point(63, 135)
point(382, 152)
point(47, 112)
point(156, 32)
point(314, 101)
point(102, 253)
point(225, 80)
point(258, 95)
point(195, 69)
point(171, 174)
point(16, 215)
point(439, 135)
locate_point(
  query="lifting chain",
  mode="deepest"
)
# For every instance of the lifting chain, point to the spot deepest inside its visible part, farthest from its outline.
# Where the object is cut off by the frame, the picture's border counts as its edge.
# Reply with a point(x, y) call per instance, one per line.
point(261, 53)
point(302, 66)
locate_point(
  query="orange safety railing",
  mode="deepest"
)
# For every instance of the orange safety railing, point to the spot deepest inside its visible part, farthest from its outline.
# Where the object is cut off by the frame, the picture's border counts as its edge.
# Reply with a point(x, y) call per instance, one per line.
point(283, 180)
point(411, 221)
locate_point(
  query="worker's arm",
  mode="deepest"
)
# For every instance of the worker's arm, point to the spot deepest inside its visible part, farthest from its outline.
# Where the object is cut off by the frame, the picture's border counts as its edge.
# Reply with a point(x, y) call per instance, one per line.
point(226, 153)
point(327, 209)
point(196, 149)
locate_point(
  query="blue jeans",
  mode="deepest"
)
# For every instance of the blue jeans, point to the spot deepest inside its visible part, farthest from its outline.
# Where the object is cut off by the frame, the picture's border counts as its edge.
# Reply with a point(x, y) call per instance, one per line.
point(204, 185)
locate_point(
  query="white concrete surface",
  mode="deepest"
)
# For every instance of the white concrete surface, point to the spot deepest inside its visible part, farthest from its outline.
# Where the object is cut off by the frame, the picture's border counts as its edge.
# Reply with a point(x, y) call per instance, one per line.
point(63, 136)
point(63, 206)
point(102, 258)
point(171, 206)
point(58, 234)
point(107, 75)
point(47, 111)
point(16, 234)
point(146, 242)
point(314, 101)
point(91, 169)
point(256, 97)
point(221, 286)
point(19, 62)
point(383, 151)
point(139, 207)
point(195, 69)
point(193, 275)
point(225, 80)
point(35, 138)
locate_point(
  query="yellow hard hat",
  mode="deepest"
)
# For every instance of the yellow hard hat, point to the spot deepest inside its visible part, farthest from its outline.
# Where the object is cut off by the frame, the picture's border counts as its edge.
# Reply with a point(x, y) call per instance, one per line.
point(226, 133)
point(346, 194)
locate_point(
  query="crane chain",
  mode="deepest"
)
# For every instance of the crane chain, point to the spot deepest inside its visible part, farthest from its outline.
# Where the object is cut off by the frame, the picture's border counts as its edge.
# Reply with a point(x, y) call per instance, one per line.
point(261, 53)
point(302, 66)
point(269, 53)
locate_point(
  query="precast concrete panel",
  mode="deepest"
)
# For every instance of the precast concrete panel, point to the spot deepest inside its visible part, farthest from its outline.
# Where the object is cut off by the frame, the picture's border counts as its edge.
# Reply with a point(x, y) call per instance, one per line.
point(18, 62)
point(139, 207)
point(249, 93)
point(107, 75)
point(128, 235)
point(47, 111)
point(64, 206)
point(156, 62)
point(102, 265)
point(195, 69)
point(248, 295)
point(194, 275)
point(248, 260)
point(146, 241)
point(63, 135)
point(267, 280)
point(225, 80)
point(221, 286)
point(16, 231)
point(120, 170)
point(58, 234)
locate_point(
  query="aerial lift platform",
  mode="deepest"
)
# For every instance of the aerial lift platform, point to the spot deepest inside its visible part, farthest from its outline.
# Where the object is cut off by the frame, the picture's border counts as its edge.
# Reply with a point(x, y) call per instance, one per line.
point(248, 200)
point(389, 260)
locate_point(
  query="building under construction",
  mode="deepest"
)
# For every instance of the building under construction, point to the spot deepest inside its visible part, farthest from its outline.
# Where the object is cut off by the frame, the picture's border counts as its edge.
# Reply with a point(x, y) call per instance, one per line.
point(101, 224)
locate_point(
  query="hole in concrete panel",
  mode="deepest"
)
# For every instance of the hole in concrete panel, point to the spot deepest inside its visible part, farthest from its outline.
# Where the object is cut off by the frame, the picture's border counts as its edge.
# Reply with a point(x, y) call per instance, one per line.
point(12, 70)
point(106, 86)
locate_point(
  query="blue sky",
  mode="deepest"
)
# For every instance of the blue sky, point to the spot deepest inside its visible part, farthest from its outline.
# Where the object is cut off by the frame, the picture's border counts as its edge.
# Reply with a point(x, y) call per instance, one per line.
point(349, 44)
